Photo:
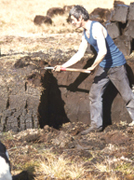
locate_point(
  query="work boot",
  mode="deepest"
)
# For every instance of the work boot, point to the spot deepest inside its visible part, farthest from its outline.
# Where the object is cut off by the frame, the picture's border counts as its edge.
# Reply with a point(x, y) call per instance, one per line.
point(92, 128)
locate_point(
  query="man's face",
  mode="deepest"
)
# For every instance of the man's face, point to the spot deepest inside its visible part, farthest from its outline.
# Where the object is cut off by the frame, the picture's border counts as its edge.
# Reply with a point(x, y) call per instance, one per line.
point(75, 22)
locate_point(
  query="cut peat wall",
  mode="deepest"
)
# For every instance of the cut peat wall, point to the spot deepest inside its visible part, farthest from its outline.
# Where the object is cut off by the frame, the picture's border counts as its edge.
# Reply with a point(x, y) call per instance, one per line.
point(31, 97)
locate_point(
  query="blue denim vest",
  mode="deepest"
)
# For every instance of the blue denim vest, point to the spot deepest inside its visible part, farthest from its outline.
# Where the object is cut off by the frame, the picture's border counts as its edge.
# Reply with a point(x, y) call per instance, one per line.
point(114, 56)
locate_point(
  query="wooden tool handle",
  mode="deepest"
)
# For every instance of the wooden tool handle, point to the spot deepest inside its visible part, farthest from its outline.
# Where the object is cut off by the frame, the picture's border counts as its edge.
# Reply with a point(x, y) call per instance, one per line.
point(70, 69)
point(75, 70)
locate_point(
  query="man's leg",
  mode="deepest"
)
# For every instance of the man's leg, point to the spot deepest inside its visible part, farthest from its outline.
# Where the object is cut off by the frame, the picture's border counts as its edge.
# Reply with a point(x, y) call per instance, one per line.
point(119, 78)
point(95, 96)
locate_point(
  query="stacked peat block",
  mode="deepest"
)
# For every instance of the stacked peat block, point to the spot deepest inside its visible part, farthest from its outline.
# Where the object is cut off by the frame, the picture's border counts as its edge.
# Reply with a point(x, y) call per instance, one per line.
point(121, 27)
point(20, 93)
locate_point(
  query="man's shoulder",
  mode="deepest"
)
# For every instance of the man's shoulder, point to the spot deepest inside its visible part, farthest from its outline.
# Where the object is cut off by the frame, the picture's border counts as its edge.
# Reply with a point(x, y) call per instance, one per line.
point(97, 27)
point(97, 24)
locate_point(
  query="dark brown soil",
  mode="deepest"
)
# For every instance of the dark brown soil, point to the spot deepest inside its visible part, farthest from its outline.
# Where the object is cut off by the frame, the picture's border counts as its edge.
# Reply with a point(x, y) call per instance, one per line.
point(115, 145)
point(42, 110)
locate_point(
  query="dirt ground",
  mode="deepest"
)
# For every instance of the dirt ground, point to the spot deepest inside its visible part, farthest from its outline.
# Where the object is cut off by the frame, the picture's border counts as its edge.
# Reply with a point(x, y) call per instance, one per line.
point(104, 155)
point(107, 155)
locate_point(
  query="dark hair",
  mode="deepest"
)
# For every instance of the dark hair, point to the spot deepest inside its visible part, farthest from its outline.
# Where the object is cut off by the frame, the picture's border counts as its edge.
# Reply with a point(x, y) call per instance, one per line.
point(78, 11)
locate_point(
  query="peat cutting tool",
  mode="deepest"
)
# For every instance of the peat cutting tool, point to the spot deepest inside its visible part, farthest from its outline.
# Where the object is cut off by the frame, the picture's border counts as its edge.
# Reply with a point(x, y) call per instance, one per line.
point(70, 69)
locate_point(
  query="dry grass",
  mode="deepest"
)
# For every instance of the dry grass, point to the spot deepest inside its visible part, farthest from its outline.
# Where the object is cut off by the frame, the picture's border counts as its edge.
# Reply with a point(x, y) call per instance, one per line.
point(46, 163)
point(60, 168)
point(16, 17)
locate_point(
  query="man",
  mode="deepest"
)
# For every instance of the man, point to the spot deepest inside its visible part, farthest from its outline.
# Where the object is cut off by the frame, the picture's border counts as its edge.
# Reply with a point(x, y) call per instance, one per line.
point(112, 66)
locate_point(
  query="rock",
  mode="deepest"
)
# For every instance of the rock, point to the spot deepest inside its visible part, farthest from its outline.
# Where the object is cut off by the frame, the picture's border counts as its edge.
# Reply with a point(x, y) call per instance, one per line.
point(38, 20)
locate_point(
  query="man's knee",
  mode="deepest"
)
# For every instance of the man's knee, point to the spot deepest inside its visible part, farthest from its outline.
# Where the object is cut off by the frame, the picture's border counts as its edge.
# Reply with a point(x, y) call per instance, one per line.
point(94, 96)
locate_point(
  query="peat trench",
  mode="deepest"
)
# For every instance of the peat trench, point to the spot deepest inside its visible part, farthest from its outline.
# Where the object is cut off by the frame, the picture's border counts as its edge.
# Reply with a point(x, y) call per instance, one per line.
point(31, 97)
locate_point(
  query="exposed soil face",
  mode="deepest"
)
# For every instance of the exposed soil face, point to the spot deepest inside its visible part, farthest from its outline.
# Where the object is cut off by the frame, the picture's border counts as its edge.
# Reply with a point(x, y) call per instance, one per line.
point(25, 90)
point(31, 97)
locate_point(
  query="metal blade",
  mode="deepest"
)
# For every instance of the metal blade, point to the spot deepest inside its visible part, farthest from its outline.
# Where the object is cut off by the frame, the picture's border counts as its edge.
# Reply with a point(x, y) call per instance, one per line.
point(49, 68)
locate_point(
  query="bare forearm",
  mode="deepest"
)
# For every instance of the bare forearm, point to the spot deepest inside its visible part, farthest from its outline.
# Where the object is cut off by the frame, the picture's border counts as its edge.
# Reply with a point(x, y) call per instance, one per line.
point(76, 57)
point(97, 61)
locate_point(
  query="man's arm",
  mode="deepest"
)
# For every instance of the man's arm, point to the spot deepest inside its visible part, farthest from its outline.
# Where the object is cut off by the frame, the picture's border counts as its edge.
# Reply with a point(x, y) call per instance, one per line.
point(99, 34)
point(76, 57)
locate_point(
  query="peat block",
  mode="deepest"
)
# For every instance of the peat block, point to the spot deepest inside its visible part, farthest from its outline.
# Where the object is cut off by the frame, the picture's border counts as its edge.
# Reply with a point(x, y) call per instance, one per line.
point(120, 13)
point(131, 12)
point(38, 20)
point(113, 30)
point(19, 98)
point(100, 14)
point(124, 44)
point(129, 30)
point(55, 11)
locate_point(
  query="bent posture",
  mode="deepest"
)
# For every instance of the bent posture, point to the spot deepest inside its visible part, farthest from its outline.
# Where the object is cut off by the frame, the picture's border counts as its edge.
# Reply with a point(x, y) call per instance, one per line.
point(112, 66)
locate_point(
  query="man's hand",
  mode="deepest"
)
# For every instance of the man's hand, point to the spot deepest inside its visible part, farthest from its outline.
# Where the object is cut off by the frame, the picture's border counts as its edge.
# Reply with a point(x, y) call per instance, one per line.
point(92, 69)
point(57, 68)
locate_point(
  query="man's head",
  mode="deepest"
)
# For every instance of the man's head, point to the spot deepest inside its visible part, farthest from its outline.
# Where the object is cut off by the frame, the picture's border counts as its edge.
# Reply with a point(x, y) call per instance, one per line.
point(79, 11)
